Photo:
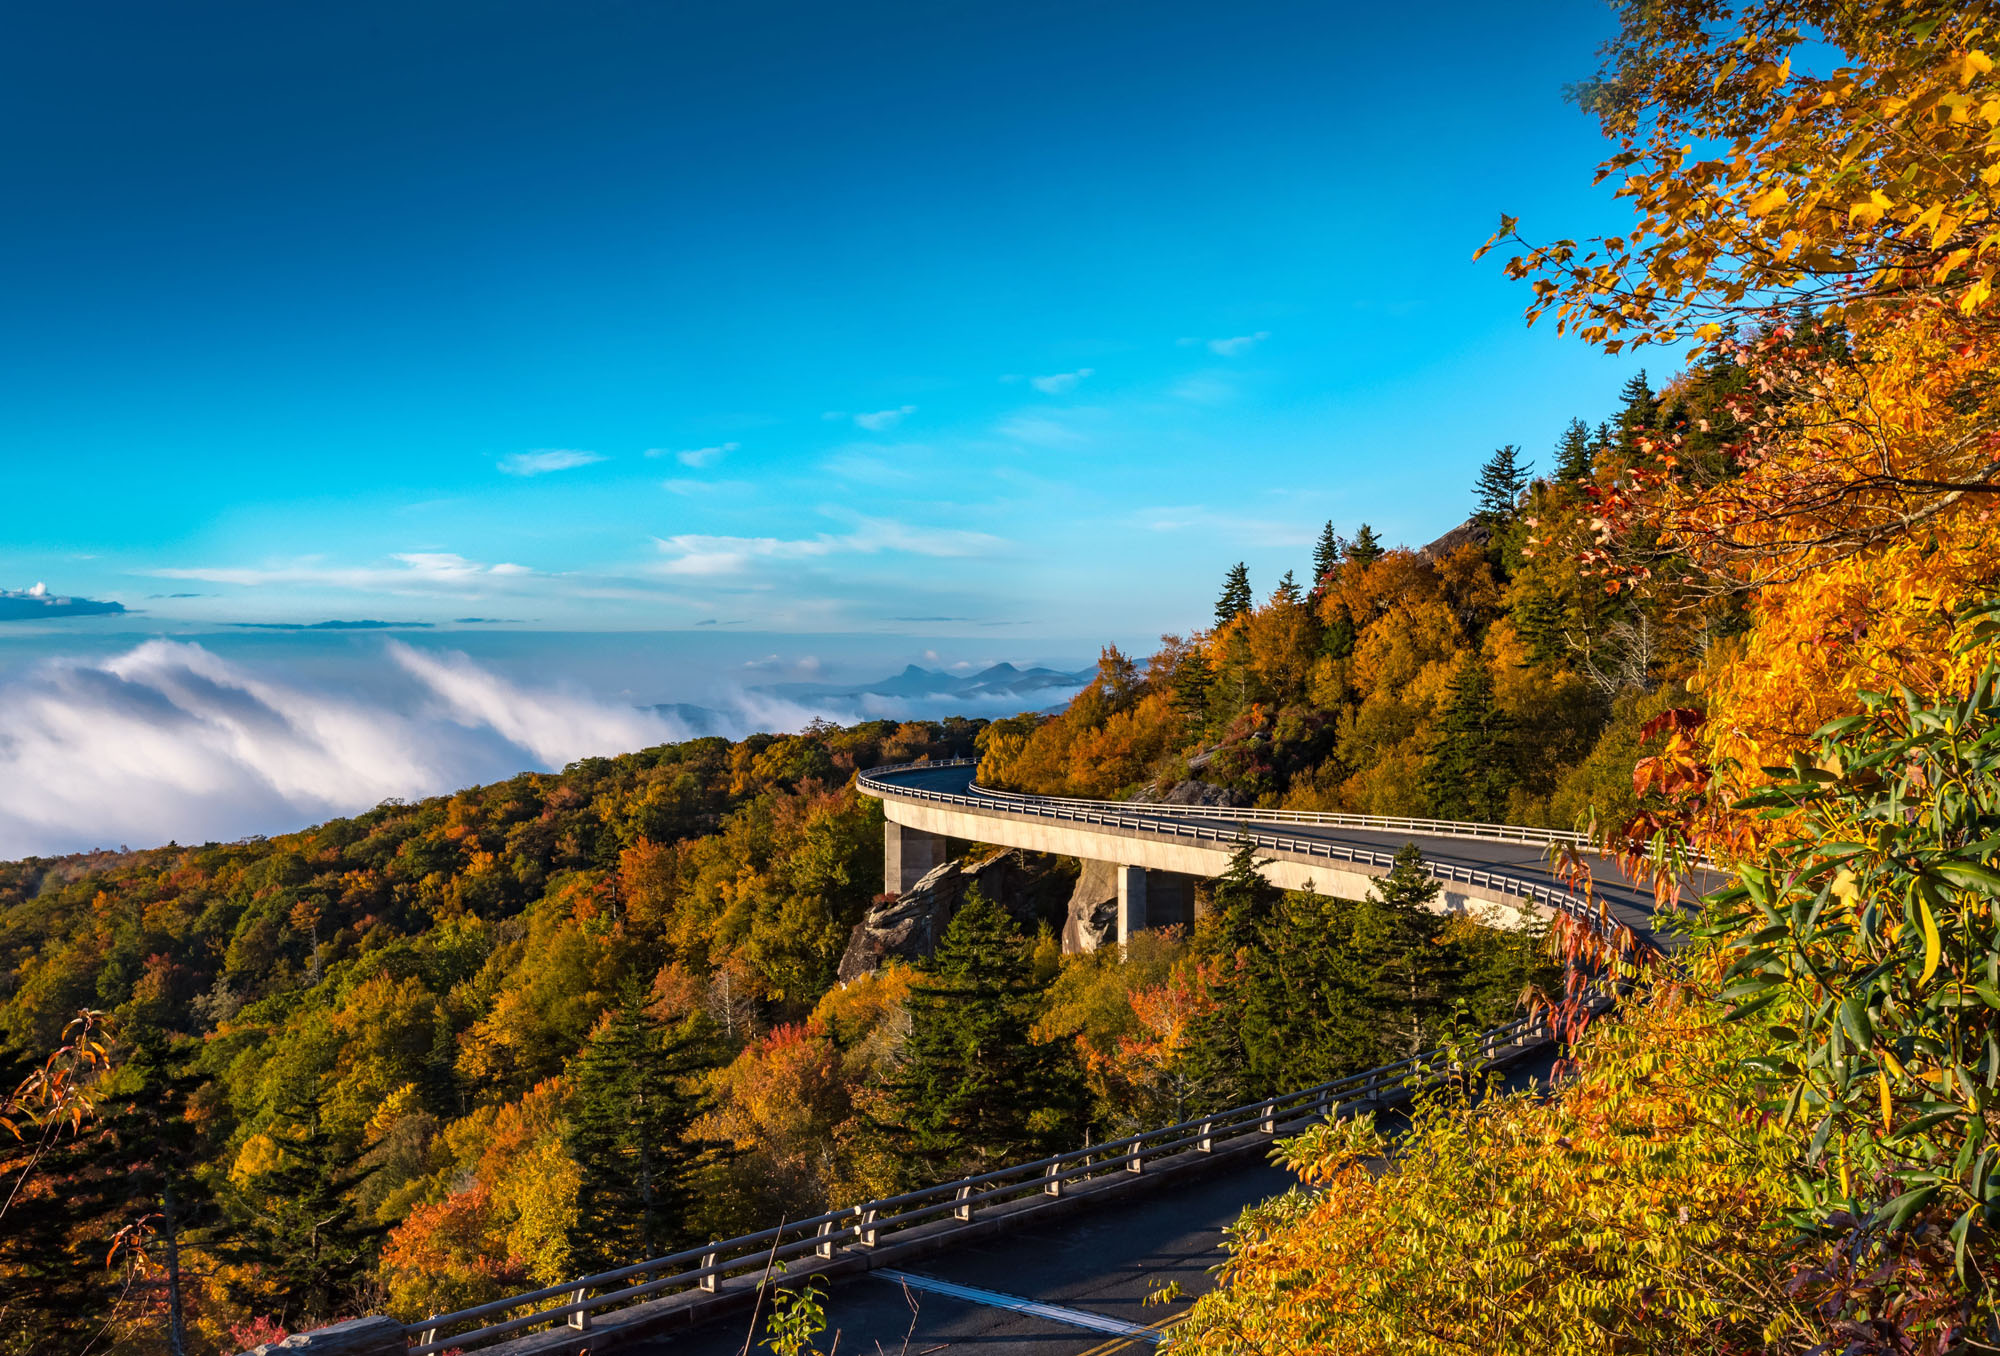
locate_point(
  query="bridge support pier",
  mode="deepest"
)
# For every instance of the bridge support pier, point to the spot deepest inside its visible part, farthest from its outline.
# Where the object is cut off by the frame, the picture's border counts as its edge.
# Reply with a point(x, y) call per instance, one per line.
point(908, 855)
point(1131, 901)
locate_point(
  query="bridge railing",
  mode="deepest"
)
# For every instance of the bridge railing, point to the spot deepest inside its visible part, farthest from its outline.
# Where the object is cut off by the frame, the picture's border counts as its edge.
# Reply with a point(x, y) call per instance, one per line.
point(1436, 828)
point(1112, 814)
point(874, 1224)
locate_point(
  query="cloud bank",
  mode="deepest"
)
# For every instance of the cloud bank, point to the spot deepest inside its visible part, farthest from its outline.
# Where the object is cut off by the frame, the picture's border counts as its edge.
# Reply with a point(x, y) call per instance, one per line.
point(169, 742)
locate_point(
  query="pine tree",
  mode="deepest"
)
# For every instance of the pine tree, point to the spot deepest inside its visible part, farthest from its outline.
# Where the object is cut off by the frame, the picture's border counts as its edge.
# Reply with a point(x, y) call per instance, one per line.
point(1326, 556)
point(1236, 598)
point(973, 1091)
point(1468, 768)
point(1575, 454)
point(1638, 414)
point(1287, 590)
point(1365, 549)
point(628, 1133)
point(1501, 481)
point(312, 1248)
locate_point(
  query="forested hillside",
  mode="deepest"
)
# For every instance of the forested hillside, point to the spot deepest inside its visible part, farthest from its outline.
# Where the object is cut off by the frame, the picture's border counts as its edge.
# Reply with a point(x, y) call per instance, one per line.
point(1478, 677)
point(436, 1053)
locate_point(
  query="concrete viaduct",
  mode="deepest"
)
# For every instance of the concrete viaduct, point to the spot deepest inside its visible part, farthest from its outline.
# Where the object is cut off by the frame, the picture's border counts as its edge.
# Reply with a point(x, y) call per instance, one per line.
point(1498, 873)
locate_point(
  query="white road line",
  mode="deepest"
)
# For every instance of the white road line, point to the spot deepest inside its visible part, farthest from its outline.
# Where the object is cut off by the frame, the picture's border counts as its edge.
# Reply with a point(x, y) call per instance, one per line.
point(1075, 1318)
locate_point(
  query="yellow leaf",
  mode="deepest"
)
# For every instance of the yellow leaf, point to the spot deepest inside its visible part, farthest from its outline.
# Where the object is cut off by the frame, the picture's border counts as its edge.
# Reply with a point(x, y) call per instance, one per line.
point(1933, 944)
point(1767, 202)
point(1882, 1080)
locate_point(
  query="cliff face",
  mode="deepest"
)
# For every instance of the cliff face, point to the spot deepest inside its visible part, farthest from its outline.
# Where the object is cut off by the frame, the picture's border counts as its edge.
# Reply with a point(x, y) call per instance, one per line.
point(1030, 886)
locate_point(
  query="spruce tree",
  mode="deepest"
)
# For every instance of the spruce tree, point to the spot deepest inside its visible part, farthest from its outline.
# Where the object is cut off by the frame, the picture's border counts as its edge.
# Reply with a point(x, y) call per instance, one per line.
point(1575, 454)
point(1236, 598)
point(628, 1133)
point(1639, 413)
point(1501, 481)
point(1191, 681)
point(1365, 549)
point(1326, 556)
point(312, 1248)
point(1468, 768)
point(973, 1091)
point(1405, 969)
point(1288, 589)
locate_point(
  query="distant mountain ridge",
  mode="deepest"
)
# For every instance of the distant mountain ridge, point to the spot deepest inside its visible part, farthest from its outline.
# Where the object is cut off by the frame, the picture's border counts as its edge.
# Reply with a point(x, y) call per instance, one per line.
point(1002, 679)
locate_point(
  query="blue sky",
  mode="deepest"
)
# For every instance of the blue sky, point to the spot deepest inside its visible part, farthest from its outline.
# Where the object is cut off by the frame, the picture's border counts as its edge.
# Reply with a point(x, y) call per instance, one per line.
point(924, 319)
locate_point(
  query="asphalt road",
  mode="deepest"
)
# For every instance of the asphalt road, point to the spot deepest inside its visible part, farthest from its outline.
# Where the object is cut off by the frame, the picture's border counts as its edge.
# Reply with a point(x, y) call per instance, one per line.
point(1102, 1262)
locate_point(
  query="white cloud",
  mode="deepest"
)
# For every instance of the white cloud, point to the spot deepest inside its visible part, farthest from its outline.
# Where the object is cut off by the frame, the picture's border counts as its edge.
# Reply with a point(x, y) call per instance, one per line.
point(696, 457)
point(693, 554)
point(881, 421)
point(1242, 343)
point(1224, 526)
point(541, 463)
point(1058, 383)
point(170, 741)
point(1040, 431)
point(421, 572)
point(1203, 389)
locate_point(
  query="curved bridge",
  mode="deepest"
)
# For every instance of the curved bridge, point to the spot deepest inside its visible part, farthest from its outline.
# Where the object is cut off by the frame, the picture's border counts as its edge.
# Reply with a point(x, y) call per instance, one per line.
point(1497, 872)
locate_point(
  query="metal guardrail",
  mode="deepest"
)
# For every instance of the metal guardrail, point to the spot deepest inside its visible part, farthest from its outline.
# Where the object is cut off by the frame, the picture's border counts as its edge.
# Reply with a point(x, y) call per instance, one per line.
point(1096, 812)
point(872, 1223)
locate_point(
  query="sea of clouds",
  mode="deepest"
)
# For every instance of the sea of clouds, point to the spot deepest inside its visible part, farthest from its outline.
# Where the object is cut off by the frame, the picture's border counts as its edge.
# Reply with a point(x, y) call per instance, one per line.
point(170, 742)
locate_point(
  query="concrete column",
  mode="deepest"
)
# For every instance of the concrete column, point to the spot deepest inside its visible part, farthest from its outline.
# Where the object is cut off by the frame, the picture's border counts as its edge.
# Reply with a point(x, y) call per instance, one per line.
point(908, 855)
point(1131, 901)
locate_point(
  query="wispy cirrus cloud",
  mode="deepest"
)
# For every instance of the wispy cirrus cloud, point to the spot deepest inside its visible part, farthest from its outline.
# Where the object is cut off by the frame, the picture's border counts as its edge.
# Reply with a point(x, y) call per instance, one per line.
point(1237, 344)
point(540, 463)
point(1059, 383)
point(702, 555)
point(1039, 430)
point(881, 421)
point(1222, 526)
point(696, 457)
point(415, 572)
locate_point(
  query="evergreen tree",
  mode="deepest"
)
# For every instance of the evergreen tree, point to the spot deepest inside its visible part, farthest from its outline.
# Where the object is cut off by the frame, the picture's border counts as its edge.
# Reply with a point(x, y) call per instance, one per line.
point(1288, 589)
point(1468, 768)
point(973, 1091)
point(627, 1132)
point(1501, 481)
point(1236, 598)
point(1639, 413)
point(1365, 549)
point(1190, 682)
point(1326, 556)
point(1575, 454)
point(1401, 957)
point(300, 1225)
point(133, 1161)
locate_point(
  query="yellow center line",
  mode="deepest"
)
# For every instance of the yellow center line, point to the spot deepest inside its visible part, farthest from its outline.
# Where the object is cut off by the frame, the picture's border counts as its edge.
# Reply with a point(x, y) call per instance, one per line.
point(1121, 1343)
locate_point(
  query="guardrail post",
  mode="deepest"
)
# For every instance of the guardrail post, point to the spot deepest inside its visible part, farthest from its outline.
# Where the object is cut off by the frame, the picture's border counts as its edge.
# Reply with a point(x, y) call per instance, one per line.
point(708, 1281)
point(1137, 1162)
point(1053, 1186)
point(825, 1246)
point(1206, 1144)
point(963, 1210)
point(1269, 1124)
point(580, 1320)
point(430, 1336)
point(866, 1239)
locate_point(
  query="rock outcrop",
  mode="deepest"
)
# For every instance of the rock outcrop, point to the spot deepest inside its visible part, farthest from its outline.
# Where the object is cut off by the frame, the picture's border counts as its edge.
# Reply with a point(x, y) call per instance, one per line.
point(907, 927)
point(1092, 917)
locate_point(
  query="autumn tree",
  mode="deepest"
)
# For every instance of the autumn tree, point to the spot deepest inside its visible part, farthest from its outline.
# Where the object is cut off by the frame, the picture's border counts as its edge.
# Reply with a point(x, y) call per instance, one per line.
point(1366, 548)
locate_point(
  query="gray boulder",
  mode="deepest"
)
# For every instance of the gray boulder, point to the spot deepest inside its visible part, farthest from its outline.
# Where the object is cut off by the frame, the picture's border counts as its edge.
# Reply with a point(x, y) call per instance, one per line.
point(1091, 919)
point(907, 927)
